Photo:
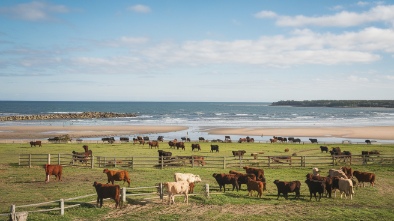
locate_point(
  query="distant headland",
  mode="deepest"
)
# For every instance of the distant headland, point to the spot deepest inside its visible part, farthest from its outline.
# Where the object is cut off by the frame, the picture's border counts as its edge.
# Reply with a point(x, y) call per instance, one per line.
point(336, 103)
point(83, 115)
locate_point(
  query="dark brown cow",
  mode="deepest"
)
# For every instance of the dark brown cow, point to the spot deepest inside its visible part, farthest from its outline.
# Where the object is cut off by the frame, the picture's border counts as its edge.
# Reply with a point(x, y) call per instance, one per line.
point(107, 191)
point(55, 170)
point(259, 173)
point(196, 146)
point(222, 179)
point(35, 143)
point(324, 148)
point(243, 178)
point(180, 145)
point(172, 144)
point(315, 187)
point(257, 186)
point(288, 187)
point(365, 177)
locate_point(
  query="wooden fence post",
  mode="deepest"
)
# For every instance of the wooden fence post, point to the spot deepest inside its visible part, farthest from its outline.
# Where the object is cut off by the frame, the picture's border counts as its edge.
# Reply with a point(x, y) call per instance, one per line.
point(269, 162)
point(29, 160)
point(192, 161)
point(123, 194)
point(58, 159)
point(49, 158)
point(224, 162)
point(132, 163)
point(92, 162)
point(162, 161)
point(61, 202)
point(206, 190)
point(161, 191)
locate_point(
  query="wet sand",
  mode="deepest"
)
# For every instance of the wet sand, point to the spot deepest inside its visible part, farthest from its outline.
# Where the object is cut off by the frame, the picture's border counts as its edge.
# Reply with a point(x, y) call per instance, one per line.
point(41, 132)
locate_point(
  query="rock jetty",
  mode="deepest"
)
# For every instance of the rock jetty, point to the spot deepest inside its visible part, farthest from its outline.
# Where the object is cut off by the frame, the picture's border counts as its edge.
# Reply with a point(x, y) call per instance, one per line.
point(83, 115)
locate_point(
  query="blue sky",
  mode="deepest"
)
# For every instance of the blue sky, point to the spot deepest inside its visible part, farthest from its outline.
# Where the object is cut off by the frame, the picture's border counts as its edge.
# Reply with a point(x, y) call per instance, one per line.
point(212, 50)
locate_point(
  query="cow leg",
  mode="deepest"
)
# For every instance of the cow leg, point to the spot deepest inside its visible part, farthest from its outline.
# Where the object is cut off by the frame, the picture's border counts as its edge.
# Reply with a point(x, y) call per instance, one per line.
point(47, 178)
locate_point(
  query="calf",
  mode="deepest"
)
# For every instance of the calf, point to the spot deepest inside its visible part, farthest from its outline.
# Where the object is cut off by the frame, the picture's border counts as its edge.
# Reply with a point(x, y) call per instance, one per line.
point(107, 191)
point(364, 177)
point(214, 148)
point(254, 185)
point(324, 148)
point(189, 177)
point(346, 187)
point(223, 179)
point(179, 187)
point(315, 186)
point(55, 170)
point(243, 178)
point(288, 187)
point(117, 175)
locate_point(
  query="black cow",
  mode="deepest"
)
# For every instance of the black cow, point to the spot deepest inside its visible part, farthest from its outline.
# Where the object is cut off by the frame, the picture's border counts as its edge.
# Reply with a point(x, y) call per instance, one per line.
point(214, 148)
point(324, 148)
point(296, 140)
point(368, 141)
point(313, 140)
point(108, 139)
point(201, 139)
point(160, 138)
point(185, 139)
point(288, 187)
point(315, 186)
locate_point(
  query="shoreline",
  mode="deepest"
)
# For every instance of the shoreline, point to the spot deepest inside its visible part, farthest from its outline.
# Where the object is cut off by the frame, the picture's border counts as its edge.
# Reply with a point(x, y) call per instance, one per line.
point(43, 132)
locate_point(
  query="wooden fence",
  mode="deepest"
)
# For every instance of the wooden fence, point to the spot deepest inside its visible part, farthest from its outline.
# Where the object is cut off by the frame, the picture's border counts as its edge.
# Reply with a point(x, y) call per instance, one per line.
point(156, 192)
point(135, 162)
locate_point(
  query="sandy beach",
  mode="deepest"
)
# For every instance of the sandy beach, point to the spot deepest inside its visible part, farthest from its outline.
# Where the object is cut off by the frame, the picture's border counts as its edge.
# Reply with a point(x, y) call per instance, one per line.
point(41, 132)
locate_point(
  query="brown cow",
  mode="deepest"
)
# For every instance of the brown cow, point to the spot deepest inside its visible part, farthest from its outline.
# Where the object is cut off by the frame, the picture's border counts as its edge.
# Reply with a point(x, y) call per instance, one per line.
point(35, 143)
point(117, 175)
point(288, 187)
point(154, 143)
point(180, 145)
point(223, 179)
point(365, 177)
point(259, 173)
point(107, 191)
point(55, 170)
point(257, 186)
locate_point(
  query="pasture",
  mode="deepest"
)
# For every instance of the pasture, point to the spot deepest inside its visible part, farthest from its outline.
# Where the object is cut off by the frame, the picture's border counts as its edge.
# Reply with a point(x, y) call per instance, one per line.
point(22, 185)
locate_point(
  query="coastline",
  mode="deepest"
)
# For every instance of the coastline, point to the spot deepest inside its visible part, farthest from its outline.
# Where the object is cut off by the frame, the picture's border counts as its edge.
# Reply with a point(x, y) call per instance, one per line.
point(42, 132)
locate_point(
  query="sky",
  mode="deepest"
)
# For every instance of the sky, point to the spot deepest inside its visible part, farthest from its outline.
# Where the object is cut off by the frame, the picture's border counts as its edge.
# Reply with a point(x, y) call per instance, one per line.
point(206, 50)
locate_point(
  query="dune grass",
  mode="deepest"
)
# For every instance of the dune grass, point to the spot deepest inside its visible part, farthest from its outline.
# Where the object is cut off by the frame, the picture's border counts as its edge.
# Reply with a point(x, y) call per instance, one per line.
point(23, 185)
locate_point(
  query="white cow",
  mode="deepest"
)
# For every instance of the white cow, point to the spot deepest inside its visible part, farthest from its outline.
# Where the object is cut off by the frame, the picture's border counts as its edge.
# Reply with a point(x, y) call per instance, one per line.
point(346, 187)
point(338, 173)
point(189, 177)
point(180, 187)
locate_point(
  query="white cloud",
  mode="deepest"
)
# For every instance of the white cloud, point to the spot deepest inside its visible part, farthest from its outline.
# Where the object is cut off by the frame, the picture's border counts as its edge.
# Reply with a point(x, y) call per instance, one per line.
point(354, 78)
point(33, 11)
point(140, 8)
point(265, 14)
point(362, 4)
point(380, 13)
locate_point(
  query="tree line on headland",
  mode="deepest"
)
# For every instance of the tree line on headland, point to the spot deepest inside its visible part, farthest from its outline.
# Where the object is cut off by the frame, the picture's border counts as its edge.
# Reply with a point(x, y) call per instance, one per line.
point(83, 115)
point(336, 103)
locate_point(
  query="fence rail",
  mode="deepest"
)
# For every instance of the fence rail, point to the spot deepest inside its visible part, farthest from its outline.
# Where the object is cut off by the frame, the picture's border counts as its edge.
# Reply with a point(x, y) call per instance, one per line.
point(135, 162)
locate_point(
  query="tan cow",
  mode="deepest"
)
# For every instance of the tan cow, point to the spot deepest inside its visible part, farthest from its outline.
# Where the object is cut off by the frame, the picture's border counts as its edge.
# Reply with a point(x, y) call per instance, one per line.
point(179, 187)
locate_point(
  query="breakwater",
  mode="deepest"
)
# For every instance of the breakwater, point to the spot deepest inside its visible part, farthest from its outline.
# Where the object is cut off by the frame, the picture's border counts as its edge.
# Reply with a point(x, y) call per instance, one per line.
point(83, 115)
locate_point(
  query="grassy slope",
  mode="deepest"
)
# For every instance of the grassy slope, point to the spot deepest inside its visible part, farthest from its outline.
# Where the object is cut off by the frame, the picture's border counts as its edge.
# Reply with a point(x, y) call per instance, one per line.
point(21, 185)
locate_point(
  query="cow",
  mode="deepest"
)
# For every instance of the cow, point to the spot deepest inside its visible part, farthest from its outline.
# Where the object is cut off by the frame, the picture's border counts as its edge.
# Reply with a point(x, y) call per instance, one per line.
point(201, 139)
point(55, 170)
point(146, 138)
point(197, 161)
point(196, 146)
point(286, 150)
point(153, 143)
point(214, 148)
point(250, 140)
point(243, 178)
point(368, 141)
point(346, 187)
point(324, 148)
point(191, 188)
point(164, 155)
point(107, 191)
point(288, 187)
point(254, 185)
point(185, 139)
point(108, 139)
point(313, 140)
point(365, 177)
point(259, 173)
point(222, 179)
point(189, 177)
point(180, 145)
point(238, 153)
point(160, 138)
point(227, 139)
point(273, 140)
point(179, 187)
point(296, 140)
point(315, 186)
point(124, 139)
point(348, 171)
point(241, 140)
point(35, 143)
point(172, 144)
point(117, 175)
point(338, 173)
point(315, 171)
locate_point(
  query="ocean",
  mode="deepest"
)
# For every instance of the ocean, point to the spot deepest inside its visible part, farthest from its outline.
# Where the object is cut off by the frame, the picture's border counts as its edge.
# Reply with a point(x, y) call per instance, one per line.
point(199, 116)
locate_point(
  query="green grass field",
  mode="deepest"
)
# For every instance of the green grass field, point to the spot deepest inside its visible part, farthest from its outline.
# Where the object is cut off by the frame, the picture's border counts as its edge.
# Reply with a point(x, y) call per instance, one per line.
point(23, 185)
